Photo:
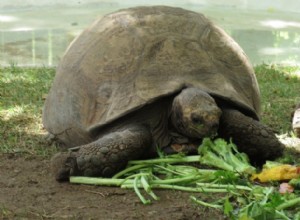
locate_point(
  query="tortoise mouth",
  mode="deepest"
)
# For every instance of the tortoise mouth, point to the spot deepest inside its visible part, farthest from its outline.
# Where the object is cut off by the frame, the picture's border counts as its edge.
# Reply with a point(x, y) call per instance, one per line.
point(202, 131)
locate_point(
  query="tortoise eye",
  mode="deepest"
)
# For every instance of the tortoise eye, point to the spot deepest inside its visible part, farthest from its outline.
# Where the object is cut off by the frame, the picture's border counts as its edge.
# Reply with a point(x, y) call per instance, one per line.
point(196, 119)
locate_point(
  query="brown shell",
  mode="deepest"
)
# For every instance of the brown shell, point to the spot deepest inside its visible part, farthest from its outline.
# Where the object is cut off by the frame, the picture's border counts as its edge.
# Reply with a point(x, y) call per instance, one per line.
point(132, 57)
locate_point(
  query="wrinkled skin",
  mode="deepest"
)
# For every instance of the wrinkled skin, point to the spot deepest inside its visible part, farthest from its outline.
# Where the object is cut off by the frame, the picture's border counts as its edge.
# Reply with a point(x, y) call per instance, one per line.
point(195, 114)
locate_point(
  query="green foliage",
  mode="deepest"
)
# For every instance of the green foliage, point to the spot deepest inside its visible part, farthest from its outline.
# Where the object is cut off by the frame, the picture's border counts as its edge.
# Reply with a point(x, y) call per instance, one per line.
point(219, 153)
point(295, 183)
point(290, 156)
point(262, 203)
point(242, 199)
point(227, 177)
point(228, 208)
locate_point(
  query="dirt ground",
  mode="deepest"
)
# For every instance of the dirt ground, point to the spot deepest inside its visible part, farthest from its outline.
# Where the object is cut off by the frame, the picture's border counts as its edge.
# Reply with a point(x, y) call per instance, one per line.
point(29, 191)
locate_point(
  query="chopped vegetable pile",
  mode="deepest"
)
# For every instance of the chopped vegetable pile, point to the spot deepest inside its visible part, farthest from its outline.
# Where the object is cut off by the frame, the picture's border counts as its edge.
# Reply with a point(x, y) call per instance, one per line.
point(245, 194)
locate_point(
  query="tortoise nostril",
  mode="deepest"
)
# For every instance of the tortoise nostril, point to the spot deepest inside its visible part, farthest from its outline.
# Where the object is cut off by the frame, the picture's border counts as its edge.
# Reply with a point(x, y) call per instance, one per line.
point(196, 119)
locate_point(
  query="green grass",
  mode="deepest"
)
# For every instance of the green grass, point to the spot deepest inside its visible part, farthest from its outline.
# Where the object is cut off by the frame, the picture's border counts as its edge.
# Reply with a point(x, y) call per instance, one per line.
point(280, 92)
point(22, 93)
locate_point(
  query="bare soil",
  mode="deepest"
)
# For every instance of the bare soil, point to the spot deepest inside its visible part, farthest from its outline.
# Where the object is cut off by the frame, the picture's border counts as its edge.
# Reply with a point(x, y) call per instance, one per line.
point(29, 191)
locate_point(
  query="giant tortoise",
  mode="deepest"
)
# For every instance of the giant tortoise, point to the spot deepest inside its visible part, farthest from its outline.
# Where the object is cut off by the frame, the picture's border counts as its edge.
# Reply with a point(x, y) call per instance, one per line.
point(152, 76)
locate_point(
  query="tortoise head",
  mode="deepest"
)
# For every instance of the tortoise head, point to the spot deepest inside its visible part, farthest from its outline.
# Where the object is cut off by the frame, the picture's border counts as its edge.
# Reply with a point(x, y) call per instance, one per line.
point(195, 114)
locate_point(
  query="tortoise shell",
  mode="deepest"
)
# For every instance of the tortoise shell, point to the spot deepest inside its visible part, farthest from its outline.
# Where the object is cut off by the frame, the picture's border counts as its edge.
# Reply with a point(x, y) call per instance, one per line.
point(133, 57)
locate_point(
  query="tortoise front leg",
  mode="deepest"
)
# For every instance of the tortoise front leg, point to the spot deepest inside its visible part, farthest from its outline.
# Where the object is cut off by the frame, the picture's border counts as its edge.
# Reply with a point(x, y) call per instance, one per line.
point(105, 156)
point(252, 137)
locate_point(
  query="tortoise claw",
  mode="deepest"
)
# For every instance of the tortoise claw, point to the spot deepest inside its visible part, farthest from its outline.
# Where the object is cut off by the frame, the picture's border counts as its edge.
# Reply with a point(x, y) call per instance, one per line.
point(63, 166)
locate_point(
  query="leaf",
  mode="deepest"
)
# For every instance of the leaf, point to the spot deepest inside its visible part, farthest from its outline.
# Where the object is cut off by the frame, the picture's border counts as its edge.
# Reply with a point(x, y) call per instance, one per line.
point(228, 208)
point(260, 212)
point(275, 199)
point(226, 177)
point(245, 217)
point(277, 173)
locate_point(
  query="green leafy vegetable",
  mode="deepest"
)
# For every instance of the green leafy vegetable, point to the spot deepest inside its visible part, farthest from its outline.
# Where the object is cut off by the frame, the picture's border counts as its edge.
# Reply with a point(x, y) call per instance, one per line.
point(243, 200)
point(295, 183)
point(225, 156)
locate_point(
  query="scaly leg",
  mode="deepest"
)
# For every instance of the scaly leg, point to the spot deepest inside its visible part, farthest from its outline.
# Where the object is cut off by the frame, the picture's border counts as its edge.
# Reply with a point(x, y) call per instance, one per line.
point(250, 136)
point(105, 156)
